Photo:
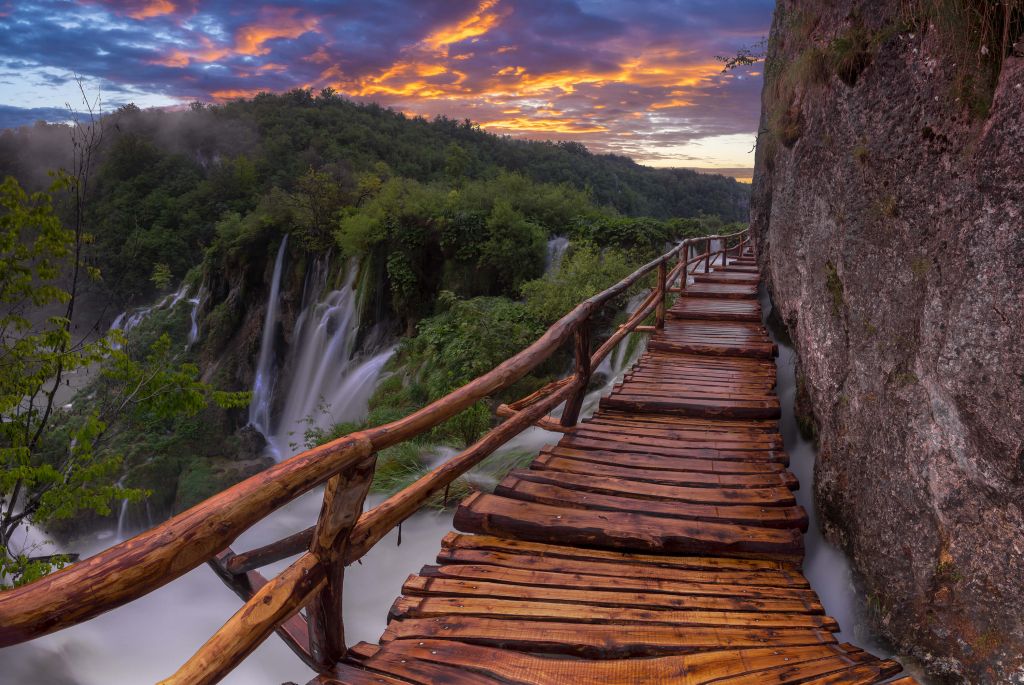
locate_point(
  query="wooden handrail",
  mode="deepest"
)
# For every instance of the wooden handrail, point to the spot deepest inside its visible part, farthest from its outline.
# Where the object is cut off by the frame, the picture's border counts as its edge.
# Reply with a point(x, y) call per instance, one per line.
point(157, 556)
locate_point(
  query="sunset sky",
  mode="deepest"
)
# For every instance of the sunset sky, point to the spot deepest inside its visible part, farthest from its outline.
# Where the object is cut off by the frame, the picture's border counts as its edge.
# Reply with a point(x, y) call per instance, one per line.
point(634, 77)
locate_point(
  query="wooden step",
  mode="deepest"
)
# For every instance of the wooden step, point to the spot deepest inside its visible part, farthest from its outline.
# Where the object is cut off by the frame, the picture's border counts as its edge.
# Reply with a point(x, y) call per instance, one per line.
point(495, 515)
point(732, 291)
point(715, 309)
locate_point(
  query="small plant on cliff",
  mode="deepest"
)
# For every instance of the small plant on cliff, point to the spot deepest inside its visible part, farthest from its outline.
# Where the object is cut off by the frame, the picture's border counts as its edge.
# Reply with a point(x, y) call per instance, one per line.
point(851, 53)
point(974, 36)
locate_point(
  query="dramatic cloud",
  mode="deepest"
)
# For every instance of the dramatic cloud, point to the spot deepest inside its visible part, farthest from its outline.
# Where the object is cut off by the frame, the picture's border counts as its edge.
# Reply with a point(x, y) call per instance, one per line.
point(629, 76)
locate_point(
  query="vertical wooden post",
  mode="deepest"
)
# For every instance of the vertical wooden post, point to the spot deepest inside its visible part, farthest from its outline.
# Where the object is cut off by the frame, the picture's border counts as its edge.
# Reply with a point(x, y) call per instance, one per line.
point(725, 253)
point(659, 312)
point(707, 256)
point(343, 503)
point(571, 414)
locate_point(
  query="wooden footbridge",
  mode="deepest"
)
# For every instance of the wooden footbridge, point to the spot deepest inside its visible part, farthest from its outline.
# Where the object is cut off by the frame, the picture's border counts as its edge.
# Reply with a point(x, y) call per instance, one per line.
point(658, 541)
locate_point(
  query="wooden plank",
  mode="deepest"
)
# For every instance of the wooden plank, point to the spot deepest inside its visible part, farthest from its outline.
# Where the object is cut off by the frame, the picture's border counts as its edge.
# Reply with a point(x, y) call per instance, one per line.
point(457, 541)
point(697, 407)
point(432, 607)
point(680, 450)
point(763, 497)
point(688, 478)
point(419, 585)
point(702, 570)
point(597, 641)
point(481, 513)
point(770, 517)
point(581, 579)
point(507, 666)
point(640, 459)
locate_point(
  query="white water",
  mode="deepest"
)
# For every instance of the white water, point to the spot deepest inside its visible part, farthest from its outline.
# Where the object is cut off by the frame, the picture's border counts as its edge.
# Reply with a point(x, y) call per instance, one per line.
point(126, 321)
point(193, 331)
point(825, 565)
point(556, 250)
point(263, 384)
point(328, 380)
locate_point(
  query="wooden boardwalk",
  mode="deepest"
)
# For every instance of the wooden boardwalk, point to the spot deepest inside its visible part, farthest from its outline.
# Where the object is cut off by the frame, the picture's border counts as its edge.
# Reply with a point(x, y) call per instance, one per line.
point(657, 542)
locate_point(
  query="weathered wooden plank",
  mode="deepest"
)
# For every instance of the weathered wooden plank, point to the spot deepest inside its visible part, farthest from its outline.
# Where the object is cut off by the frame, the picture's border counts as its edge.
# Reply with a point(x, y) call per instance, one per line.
point(698, 573)
point(770, 517)
point(640, 459)
point(689, 478)
point(506, 666)
point(597, 641)
point(779, 496)
point(458, 541)
point(429, 607)
point(417, 585)
point(481, 513)
point(580, 579)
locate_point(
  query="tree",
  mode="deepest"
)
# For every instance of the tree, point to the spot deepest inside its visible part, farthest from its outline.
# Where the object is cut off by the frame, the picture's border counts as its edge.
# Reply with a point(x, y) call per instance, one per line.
point(56, 463)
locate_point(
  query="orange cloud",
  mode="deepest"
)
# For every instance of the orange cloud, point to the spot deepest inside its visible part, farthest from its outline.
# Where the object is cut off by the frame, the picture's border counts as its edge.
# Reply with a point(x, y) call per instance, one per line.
point(235, 93)
point(153, 8)
point(544, 125)
point(670, 104)
point(249, 40)
point(482, 20)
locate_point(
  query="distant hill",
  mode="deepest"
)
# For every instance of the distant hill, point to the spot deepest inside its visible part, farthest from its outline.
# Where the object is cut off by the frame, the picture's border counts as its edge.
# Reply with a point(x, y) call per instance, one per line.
point(286, 134)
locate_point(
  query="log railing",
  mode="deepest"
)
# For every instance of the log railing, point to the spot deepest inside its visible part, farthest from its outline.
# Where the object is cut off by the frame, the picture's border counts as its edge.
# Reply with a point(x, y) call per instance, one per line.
point(343, 533)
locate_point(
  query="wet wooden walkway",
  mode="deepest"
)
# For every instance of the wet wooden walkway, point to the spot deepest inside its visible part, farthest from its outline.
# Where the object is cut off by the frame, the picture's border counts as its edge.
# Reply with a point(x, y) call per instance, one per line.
point(658, 542)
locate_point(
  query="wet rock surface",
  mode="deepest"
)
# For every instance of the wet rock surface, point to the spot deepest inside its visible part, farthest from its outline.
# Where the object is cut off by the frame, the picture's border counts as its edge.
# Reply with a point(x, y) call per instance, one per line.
point(891, 234)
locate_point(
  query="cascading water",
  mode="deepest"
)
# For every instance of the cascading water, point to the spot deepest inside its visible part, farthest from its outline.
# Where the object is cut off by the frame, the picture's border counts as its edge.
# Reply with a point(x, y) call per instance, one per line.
point(263, 385)
point(556, 250)
point(126, 321)
point(328, 381)
point(193, 332)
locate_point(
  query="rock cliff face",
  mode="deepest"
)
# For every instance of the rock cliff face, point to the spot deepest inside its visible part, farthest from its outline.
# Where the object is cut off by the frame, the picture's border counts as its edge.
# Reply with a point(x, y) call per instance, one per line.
point(889, 215)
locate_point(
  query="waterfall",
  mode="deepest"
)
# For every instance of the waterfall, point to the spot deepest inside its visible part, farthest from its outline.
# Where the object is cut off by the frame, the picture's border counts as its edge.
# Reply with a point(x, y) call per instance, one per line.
point(329, 381)
point(126, 321)
point(193, 331)
point(263, 386)
point(556, 250)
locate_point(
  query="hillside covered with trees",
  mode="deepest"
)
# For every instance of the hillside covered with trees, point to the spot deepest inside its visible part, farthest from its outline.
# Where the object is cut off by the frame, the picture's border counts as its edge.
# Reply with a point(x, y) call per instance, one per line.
point(165, 178)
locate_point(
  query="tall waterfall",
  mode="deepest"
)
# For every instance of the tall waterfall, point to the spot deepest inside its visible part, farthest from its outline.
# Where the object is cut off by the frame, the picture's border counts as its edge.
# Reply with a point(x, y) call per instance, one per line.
point(328, 381)
point(263, 386)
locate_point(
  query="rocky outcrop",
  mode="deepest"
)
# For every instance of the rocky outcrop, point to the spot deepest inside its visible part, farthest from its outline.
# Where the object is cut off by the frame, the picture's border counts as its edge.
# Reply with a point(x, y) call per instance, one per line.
point(888, 210)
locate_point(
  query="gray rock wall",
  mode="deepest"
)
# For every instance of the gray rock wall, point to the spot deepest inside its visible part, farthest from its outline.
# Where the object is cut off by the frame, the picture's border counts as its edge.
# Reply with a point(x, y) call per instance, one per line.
point(889, 213)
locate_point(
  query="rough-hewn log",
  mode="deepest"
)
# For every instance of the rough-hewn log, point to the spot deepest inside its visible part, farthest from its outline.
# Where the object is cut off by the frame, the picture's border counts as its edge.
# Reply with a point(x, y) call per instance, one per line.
point(293, 631)
point(571, 413)
point(272, 604)
point(268, 554)
point(343, 503)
